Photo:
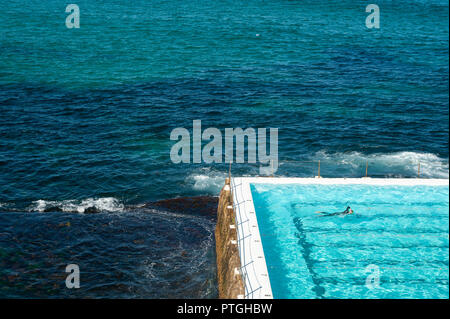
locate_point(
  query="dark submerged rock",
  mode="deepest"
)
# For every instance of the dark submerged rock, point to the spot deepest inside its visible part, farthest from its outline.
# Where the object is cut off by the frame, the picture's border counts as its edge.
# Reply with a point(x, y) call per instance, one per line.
point(198, 205)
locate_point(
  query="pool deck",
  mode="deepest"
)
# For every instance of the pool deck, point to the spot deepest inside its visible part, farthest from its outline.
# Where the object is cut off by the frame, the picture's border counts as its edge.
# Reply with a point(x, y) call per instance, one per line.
point(253, 262)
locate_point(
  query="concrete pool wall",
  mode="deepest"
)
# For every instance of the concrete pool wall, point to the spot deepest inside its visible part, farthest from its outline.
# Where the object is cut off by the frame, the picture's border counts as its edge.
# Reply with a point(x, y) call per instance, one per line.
point(230, 284)
point(248, 245)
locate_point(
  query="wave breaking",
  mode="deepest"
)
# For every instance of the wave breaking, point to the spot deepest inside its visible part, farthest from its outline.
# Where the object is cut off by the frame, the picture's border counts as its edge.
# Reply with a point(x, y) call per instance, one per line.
point(85, 206)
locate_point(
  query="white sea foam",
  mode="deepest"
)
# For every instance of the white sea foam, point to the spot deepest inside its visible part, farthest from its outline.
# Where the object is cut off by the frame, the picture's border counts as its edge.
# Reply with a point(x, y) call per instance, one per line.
point(352, 164)
point(207, 180)
point(107, 204)
point(401, 164)
point(6, 206)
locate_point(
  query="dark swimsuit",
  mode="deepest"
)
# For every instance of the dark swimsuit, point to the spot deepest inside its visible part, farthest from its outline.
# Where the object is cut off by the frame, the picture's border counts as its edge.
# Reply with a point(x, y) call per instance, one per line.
point(345, 212)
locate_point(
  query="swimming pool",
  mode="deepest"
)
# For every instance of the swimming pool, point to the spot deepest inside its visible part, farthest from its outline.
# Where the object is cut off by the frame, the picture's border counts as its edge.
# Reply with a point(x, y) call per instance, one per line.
point(394, 246)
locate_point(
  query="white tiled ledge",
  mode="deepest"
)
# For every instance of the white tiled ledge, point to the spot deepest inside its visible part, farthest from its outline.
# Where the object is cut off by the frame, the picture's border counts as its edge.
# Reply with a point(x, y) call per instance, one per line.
point(251, 253)
point(343, 181)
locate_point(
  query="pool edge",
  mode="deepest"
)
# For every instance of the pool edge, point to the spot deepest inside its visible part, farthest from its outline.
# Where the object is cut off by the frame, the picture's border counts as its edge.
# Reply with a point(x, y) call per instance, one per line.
point(251, 253)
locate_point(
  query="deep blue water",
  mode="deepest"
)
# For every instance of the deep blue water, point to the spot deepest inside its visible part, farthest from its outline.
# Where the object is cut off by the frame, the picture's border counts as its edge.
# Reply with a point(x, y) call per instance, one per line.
point(86, 114)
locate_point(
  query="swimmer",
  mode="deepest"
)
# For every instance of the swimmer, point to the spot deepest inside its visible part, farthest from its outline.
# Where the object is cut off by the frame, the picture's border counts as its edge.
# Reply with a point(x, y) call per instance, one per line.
point(347, 211)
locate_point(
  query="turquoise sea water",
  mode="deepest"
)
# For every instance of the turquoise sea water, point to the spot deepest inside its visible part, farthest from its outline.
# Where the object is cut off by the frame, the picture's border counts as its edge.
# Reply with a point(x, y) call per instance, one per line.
point(398, 234)
point(86, 115)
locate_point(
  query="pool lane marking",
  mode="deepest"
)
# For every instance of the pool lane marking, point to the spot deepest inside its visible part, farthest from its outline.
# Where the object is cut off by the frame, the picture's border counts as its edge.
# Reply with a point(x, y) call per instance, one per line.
point(306, 252)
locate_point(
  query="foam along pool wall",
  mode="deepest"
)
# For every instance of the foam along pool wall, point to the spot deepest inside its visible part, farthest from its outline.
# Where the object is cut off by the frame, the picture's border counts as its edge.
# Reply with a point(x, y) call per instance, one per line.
point(253, 263)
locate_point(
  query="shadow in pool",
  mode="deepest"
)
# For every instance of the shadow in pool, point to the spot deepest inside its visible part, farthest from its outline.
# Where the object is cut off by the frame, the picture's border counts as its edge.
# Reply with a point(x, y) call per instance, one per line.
point(306, 252)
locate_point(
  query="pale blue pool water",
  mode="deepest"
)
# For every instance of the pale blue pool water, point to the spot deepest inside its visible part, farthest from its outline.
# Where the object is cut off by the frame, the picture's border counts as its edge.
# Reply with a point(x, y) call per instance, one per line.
point(400, 233)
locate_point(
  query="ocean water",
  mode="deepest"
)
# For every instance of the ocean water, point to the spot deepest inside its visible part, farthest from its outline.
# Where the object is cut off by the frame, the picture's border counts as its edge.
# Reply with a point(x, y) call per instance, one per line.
point(141, 252)
point(395, 245)
point(86, 115)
